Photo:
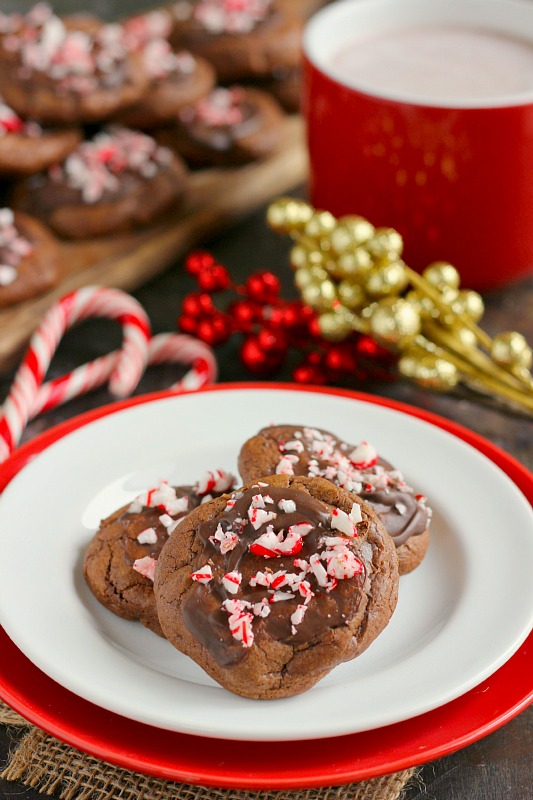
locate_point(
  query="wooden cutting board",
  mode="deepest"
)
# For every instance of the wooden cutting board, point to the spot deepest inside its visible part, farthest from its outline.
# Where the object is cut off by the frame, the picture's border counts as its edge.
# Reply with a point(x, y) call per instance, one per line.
point(217, 198)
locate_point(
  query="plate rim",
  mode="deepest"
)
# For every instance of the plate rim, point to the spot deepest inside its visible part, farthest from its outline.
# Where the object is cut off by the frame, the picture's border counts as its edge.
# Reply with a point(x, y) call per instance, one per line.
point(306, 777)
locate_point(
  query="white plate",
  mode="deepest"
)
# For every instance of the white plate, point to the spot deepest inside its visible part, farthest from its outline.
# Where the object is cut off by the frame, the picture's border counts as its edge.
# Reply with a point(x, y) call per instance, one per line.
point(460, 615)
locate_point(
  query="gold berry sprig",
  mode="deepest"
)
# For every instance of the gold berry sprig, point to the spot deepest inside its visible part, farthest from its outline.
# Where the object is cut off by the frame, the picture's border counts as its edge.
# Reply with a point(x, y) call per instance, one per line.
point(353, 275)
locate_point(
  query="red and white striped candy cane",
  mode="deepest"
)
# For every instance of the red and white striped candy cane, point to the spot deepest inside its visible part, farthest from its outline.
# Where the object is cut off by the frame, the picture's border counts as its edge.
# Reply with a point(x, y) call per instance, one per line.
point(163, 348)
point(91, 301)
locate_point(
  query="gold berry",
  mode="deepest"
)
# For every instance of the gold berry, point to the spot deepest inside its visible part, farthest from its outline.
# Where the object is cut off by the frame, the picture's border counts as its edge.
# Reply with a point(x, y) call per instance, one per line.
point(470, 303)
point(354, 264)
point(334, 326)
point(511, 349)
point(429, 371)
point(319, 224)
point(320, 296)
point(351, 294)
point(442, 275)
point(394, 321)
point(287, 215)
point(385, 242)
point(386, 278)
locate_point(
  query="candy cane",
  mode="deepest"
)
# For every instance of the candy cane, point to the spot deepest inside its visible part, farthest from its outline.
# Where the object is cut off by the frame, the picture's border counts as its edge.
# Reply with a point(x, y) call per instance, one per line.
point(122, 368)
point(163, 348)
point(91, 301)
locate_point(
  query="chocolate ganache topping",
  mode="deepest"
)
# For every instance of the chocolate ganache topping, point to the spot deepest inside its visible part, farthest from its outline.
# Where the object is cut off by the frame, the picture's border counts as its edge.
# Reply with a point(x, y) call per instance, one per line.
point(279, 561)
point(359, 469)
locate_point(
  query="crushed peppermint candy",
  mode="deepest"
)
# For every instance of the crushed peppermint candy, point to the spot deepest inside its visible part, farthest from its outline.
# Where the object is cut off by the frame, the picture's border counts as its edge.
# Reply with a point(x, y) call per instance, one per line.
point(14, 248)
point(144, 28)
point(289, 506)
point(221, 108)
point(148, 536)
point(202, 575)
point(78, 60)
point(357, 469)
point(145, 566)
point(341, 521)
point(231, 581)
point(217, 480)
point(272, 535)
point(10, 122)
point(297, 616)
point(162, 496)
point(96, 166)
point(160, 60)
point(364, 455)
point(230, 16)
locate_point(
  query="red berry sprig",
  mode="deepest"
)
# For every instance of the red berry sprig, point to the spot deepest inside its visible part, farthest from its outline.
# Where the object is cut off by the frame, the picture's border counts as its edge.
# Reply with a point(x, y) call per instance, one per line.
point(270, 325)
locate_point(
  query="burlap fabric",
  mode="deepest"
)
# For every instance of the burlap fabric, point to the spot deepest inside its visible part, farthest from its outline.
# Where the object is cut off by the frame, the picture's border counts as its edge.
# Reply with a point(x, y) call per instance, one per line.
point(53, 768)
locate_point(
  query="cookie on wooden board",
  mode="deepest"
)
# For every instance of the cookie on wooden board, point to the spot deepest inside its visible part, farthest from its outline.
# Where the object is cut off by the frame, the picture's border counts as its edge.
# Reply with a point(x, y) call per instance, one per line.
point(26, 147)
point(251, 38)
point(68, 71)
point(29, 258)
point(231, 126)
point(119, 180)
point(176, 79)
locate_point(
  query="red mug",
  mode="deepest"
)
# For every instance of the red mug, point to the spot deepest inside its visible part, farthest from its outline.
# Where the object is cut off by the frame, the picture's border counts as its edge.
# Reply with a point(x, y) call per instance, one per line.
point(454, 177)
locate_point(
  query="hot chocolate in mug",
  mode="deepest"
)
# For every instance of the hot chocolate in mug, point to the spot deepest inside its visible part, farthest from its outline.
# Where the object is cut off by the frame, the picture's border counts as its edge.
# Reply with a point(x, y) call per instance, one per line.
point(420, 117)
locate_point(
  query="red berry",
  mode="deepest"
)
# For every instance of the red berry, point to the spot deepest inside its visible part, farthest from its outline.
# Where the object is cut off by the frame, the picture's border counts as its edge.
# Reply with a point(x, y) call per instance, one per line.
point(187, 324)
point(206, 331)
point(366, 346)
point(271, 341)
point(221, 327)
point(308, 373)
point(274, 315)
point(262, 286)
point(213, 278)
point(198, 261)
point(292, 315)
point(339, 359)
point(197, 304)
point(314, 358)
point(256, 360)
point(314, 328)
point(244, 314)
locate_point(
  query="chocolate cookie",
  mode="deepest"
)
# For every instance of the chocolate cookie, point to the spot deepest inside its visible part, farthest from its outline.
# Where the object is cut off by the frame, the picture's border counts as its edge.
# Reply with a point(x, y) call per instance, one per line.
point(230, 126)
point(297, 450)
point(26, 147)
point(251, 38)
point(29, 258)
point(118, 181)
point(120, 559)
point(175, 79)
point(55, 72)
point(271, 587)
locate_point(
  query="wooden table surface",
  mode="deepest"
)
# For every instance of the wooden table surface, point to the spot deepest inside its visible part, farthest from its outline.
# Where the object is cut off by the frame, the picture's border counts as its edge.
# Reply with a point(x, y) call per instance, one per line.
point(499, 766)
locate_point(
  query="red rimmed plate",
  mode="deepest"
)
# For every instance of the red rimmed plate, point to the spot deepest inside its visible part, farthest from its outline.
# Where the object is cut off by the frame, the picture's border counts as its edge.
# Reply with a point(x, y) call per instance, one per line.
point(273, 765)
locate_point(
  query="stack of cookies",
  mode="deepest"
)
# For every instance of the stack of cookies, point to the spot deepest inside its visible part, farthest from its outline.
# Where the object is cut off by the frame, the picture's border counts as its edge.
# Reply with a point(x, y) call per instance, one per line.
point(101, 123)
point(270, 585)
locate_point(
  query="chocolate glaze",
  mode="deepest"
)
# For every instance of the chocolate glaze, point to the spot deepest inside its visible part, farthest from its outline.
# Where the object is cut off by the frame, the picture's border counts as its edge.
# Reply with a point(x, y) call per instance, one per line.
point(202, 609)
point(401, 512)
